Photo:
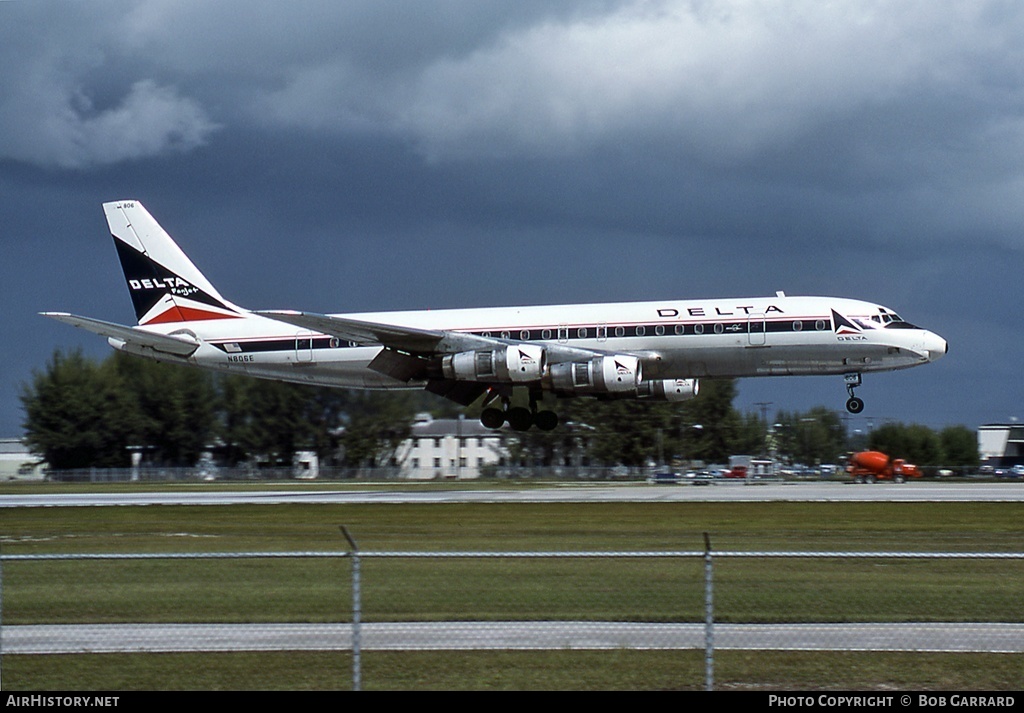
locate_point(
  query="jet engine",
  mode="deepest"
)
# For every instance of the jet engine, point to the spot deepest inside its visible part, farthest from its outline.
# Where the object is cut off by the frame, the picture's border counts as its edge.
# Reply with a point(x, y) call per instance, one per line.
point(600, 375)
point(518, 363)
point(669, 389)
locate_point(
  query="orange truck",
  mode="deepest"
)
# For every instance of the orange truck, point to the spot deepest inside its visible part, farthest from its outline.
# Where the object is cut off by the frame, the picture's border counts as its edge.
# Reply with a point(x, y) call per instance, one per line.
point(869, 466)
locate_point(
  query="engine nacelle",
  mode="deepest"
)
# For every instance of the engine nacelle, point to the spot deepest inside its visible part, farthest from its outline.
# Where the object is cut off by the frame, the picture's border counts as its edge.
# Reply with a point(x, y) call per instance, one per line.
point(518, 363)
point(601, 375)
point(669, 389)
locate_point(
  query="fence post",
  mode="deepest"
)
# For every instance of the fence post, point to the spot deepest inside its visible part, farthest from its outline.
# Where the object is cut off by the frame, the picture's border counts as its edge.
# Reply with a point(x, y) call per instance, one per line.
point(709, 618)
point(357, 607)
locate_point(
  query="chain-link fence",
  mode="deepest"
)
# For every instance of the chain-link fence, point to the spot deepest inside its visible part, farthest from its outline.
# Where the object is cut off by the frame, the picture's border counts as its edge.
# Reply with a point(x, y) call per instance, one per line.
point(494, 619)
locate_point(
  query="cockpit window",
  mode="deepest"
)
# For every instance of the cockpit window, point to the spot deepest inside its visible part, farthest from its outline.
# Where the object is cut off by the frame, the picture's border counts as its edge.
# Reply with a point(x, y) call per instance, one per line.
point(886, 317)
point(900, 325)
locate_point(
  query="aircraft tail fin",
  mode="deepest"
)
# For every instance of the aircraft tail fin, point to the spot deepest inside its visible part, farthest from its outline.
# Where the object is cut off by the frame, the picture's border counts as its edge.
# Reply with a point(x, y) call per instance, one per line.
point(164, 284)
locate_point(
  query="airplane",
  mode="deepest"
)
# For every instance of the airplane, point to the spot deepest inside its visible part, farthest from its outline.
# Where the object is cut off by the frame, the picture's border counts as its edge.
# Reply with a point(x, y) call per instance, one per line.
point(655, 351)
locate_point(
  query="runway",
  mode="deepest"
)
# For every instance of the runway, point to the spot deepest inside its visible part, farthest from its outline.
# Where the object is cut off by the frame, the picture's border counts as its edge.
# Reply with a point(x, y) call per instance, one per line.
point(735, 491)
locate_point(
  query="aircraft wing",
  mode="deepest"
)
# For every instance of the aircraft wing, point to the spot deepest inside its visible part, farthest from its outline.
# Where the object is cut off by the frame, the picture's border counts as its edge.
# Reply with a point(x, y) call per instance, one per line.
point(178, 345)
point(408, 352)
point(406, 339)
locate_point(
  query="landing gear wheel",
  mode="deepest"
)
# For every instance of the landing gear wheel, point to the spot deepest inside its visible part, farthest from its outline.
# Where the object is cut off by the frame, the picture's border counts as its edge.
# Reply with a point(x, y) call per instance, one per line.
point(519, 418)
point(854, 405)
point(492, 418)
point(546, 420)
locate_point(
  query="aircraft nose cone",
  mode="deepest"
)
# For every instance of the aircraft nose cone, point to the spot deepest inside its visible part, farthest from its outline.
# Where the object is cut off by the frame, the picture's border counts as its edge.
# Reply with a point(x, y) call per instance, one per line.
point(936, 346)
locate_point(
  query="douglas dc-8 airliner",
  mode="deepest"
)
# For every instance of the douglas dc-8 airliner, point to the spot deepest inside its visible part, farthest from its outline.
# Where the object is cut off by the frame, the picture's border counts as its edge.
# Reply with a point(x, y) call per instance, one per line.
point(655, 351)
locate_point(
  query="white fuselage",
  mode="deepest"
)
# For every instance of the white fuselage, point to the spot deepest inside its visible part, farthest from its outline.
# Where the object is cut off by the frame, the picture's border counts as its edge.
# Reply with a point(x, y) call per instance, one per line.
point(743, 337)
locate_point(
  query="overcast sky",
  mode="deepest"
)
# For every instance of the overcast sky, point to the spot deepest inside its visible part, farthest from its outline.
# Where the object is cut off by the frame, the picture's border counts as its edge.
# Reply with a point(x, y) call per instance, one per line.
point(347, 156)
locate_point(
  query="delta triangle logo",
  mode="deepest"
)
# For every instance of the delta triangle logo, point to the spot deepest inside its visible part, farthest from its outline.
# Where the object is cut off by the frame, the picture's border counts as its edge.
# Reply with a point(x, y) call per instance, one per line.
point(843, 325)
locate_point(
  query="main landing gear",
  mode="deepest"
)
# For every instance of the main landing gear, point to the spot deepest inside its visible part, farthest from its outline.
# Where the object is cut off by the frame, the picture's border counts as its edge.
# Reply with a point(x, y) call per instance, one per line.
point(853, 404)
point(519, 418)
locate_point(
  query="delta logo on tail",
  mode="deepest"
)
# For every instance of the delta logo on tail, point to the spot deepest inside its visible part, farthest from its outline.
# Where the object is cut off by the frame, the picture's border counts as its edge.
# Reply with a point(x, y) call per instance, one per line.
point(160, 296)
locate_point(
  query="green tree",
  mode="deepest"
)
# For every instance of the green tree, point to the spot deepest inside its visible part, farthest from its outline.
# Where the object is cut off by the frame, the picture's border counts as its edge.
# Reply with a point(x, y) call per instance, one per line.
point(914, 443)
point(234, 417)
point(272, 420)
point(720, 424)
point(635, 432)
point(78, 415)
point(811, 438)
point(375, 424)
point(175, 407)
point(266, 420)
point(752, 436)
point(627, 432)
point(959, 446)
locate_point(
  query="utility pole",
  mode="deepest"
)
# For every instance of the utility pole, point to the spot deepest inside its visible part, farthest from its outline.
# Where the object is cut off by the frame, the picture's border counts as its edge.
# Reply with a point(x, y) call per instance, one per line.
point(764, 405)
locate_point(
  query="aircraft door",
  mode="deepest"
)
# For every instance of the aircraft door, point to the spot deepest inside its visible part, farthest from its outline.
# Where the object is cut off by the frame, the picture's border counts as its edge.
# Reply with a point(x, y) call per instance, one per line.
point(757, 335)
point(304, 347)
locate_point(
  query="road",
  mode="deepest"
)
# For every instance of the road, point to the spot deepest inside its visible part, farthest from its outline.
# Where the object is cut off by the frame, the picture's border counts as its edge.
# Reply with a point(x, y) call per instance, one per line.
point(512, 635)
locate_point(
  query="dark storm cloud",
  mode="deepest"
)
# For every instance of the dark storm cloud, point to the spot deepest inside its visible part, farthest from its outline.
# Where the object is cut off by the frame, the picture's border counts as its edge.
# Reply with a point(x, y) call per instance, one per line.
point(374, 155)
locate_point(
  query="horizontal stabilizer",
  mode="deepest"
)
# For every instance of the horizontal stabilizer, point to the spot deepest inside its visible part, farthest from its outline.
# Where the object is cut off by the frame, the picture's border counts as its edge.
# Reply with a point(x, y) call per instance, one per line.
point(177, 345)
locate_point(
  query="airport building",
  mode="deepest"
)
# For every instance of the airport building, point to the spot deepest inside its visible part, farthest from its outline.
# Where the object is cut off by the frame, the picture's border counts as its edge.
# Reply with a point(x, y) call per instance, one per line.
point(449, 448)
point(16, 461)
point(1001, 444)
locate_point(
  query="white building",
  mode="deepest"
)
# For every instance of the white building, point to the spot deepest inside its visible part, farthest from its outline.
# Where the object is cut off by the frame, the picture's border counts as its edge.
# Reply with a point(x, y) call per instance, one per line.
point(449, 448)
point(1001, 444)
point(16, 461)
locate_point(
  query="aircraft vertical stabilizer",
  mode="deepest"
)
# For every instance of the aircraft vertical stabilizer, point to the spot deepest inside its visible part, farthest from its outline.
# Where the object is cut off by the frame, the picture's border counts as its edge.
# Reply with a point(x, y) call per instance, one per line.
point(164, 284)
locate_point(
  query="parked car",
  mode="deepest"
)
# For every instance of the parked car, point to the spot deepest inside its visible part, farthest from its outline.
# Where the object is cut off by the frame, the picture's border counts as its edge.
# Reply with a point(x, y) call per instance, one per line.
point(664, 477)
point(699, 477)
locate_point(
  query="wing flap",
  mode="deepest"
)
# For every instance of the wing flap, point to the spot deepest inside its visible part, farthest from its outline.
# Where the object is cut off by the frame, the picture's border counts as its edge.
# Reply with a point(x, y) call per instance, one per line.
point(461, 392)
point(399, 365)
point(179, 345)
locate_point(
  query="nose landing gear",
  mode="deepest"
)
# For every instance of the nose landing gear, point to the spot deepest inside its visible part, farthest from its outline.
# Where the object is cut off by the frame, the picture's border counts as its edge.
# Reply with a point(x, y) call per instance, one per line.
point(853, 404)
